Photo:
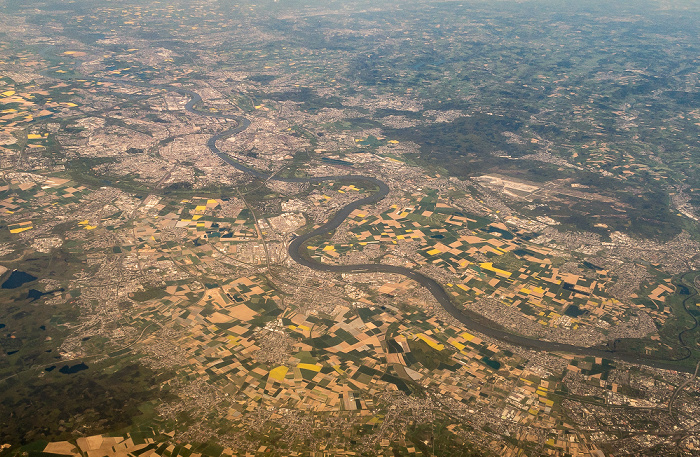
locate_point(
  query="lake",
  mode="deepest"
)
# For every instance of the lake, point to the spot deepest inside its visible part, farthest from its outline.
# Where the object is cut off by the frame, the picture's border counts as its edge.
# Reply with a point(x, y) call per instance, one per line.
point(73, 369)
point(18, 279)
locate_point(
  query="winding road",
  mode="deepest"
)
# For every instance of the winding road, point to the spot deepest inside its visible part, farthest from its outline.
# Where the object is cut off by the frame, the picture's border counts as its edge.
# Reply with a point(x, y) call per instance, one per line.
point(297, 249)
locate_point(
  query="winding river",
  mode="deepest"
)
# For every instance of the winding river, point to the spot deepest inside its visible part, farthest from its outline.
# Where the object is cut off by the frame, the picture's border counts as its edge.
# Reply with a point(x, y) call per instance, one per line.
point(297, 249)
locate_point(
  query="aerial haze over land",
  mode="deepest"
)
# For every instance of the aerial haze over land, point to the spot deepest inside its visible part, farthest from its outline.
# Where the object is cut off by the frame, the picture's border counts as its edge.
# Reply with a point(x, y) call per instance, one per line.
point(296, 227)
